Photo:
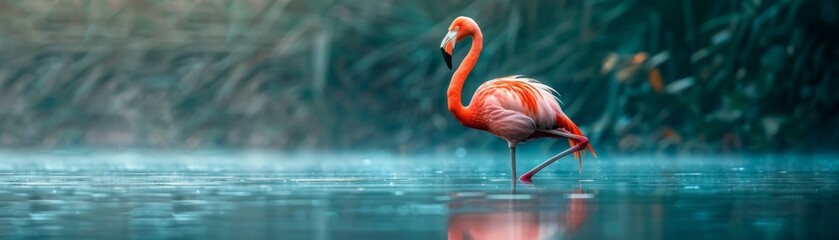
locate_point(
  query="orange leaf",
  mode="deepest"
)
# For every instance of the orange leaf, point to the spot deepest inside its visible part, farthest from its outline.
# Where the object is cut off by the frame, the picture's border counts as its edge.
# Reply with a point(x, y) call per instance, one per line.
point(656, 81)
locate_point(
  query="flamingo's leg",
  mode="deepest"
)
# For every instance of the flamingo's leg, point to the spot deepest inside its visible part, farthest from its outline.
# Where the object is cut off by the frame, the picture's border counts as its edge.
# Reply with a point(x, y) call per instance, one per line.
point(583, 142)
point(513, 161)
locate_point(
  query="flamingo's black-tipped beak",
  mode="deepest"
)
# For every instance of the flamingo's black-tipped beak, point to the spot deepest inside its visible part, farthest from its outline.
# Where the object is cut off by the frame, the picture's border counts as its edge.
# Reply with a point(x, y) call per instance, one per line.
point(447, 47)
point(447, 57)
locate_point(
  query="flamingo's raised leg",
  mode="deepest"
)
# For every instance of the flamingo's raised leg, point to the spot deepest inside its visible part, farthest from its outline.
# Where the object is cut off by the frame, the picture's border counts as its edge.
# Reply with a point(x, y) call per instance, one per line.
point(582, 143)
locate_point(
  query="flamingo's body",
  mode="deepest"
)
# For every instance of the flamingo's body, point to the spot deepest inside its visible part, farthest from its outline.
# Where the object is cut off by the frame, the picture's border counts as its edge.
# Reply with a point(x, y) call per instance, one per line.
point(513, 108)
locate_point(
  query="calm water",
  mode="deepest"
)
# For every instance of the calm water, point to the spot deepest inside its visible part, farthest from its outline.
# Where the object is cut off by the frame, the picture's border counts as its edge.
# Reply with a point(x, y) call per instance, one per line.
point(258, 195)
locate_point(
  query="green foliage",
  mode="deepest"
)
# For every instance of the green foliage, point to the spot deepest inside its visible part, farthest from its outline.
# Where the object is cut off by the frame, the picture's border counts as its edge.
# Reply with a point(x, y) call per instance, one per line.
point(638, 75)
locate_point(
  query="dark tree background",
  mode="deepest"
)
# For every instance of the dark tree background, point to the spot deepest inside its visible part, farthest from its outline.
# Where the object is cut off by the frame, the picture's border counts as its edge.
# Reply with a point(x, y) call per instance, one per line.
point(638, 75)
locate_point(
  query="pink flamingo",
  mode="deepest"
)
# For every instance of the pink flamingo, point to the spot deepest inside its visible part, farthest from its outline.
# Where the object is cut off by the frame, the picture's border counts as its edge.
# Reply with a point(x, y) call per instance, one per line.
point(513, 108)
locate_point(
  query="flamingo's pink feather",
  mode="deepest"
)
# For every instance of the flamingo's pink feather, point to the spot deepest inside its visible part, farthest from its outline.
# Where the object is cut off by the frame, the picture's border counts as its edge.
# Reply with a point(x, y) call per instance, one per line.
point(515, 107)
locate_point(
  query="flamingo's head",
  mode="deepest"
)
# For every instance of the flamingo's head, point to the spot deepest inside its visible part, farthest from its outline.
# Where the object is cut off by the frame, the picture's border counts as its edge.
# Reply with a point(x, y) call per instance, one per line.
point(460, 28)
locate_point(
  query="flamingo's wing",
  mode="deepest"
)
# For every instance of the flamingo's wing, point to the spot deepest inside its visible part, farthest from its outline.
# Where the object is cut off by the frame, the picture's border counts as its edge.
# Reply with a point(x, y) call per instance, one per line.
point(527, 96)
point(508, 124)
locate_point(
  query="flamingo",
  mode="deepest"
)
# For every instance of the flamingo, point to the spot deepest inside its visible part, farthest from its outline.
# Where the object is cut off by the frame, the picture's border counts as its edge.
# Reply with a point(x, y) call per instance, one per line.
point(514, 108)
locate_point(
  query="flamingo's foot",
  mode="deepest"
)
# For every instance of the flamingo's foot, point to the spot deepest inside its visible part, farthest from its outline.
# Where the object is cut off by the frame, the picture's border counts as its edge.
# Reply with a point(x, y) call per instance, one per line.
point(526, 178)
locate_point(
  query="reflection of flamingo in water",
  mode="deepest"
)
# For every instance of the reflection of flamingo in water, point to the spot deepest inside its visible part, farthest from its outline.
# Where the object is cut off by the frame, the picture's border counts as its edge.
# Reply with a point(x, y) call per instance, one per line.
point(513, 108)
point(512, 224)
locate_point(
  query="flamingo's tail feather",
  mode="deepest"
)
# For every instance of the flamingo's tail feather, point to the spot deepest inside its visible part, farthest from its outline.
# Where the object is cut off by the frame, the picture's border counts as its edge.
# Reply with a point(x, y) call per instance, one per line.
point(565, 122)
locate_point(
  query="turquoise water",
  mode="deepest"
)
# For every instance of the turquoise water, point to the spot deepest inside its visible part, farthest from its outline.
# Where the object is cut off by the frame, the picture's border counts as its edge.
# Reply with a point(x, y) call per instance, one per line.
point(264, 195)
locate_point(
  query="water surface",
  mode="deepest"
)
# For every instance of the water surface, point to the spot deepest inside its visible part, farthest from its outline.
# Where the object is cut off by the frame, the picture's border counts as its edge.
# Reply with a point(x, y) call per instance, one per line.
point(263, 195)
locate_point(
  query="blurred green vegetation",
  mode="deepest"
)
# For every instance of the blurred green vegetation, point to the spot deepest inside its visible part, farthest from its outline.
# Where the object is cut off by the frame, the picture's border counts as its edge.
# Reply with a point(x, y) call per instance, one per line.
point(638, 75)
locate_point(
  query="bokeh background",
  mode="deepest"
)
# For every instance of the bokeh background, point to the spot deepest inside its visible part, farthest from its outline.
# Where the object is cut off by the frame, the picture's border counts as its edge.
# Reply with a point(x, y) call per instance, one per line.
point(687, 76)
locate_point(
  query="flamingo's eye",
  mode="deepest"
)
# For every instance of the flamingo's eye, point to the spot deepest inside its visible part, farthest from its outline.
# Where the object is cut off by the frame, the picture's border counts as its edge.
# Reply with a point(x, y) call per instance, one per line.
point(457, 28)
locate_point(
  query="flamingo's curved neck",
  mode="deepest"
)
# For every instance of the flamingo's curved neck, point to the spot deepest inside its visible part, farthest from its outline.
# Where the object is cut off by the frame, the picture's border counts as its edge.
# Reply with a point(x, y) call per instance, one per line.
point(456, 85)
